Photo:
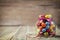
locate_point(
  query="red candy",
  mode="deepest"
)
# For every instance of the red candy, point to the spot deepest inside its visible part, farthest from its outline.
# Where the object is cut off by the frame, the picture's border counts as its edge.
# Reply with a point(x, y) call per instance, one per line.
point(43, 24)
point(48, 30)
point(43, 19)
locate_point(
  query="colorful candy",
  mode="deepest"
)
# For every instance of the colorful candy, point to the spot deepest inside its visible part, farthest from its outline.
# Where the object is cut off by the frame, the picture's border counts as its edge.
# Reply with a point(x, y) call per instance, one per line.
point(48, 16)
point(48, 30)
point(49, 19)
point(43, 30)
point(43, 24)
point(46, 34)
point(46, 25)
point(41, 17)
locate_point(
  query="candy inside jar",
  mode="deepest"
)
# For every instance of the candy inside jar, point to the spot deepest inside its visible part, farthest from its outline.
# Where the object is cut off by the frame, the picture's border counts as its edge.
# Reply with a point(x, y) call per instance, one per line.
point(46, 25)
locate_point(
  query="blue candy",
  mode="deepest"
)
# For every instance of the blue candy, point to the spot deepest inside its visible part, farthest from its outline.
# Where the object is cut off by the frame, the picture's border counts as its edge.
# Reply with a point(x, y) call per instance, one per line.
point(44, 30)
point(47, 23)
point(47, 27)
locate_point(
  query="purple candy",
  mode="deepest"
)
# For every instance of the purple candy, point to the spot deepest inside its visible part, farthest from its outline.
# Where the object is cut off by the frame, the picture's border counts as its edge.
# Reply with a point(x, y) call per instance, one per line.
point(41, 18)
point(49, 20)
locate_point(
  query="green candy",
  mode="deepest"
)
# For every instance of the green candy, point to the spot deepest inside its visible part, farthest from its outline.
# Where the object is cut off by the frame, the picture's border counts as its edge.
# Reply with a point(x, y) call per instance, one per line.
point(46, 34)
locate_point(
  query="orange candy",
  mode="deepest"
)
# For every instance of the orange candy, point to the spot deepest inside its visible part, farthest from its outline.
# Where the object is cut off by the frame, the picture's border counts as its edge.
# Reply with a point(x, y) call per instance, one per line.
point(43, 24)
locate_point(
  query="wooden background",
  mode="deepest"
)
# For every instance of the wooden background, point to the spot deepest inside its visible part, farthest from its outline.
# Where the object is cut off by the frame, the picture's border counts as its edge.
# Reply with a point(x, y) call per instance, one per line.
point(25, 12)
point(18, 17)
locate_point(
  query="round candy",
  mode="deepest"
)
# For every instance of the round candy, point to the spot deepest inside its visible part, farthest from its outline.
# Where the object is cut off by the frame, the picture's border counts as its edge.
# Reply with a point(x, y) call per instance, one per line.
point(52, 22)
point(41, 17)
point(49, 20)
point(52, 27)
point(46, 34)
point(40, 21)
point(48, 30)
point(47, 27)
point(48, 16)
point(43, 30)
point(43, 24)
point(51, 30)
point(47, 23)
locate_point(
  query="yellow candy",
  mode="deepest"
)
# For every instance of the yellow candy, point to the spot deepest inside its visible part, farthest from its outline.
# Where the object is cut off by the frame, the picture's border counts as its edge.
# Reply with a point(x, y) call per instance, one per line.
point(48, 16)
point(52, 27)
point(51, 30)
point(46, 34)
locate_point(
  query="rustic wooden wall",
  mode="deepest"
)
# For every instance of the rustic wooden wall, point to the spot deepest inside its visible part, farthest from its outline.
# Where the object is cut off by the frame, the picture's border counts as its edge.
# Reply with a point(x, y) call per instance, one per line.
point(17, 12)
